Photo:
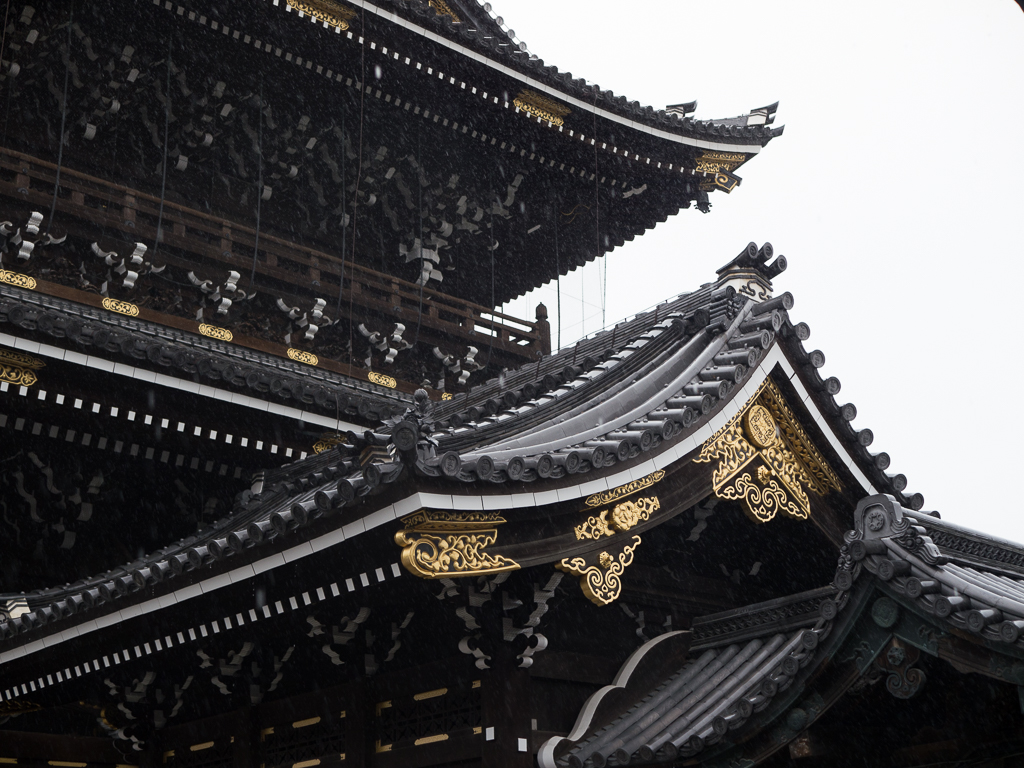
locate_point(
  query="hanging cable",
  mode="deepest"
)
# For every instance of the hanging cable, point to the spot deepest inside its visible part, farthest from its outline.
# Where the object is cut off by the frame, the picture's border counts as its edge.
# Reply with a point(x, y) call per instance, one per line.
point(491, 246)
point(597, 221)
point(3, 46)
point(558, 287)
point(63, 119)
point(167, 126)
point(344, 219)
point(259, 188)
point(359, 175)
point(419, 214)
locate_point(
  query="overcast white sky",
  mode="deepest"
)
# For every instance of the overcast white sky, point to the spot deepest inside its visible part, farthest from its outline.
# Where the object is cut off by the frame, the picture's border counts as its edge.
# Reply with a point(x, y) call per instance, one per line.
point(895, 193)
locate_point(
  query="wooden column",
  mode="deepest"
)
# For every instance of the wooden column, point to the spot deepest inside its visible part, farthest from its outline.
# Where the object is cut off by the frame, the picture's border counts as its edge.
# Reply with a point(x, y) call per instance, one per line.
point(247, 750)
point(505, 701)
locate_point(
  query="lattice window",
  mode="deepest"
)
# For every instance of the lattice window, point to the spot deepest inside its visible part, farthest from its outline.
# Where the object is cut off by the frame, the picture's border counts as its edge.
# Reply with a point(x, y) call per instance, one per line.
point(316, 738)
point(209, 754)
point(426, 717)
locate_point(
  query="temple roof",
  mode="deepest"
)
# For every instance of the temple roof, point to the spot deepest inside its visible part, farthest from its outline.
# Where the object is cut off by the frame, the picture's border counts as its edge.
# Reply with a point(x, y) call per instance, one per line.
point(395, 135)
point(656, 407)
point(641, 396)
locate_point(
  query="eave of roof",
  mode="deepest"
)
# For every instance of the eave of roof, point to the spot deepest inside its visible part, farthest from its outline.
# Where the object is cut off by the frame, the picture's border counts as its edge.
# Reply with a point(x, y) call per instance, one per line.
point(336, 483)
point(708, 134)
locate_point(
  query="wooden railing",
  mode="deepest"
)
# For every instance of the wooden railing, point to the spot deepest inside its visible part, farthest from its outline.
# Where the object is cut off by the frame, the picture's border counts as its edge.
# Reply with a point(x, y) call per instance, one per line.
point(197, 240)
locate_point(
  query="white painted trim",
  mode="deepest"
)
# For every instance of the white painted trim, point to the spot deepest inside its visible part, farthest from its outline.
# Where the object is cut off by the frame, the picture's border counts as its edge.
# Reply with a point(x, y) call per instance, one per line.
point(545, 755)
point(774, 357)
point(173, 382)
point(544, 88)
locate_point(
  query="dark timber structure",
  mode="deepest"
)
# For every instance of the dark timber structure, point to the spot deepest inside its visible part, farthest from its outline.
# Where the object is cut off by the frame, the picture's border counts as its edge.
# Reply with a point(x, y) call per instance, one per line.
point(249, 346)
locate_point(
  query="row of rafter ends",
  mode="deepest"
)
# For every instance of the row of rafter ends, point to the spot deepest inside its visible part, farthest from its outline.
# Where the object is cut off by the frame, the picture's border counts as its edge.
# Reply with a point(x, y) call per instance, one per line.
point(578, 87)
point(285, 500)
point(824, 391)
point(679, 414)
point(550, 372)
point(332, 394)
point(711, 696)
point(985, 603)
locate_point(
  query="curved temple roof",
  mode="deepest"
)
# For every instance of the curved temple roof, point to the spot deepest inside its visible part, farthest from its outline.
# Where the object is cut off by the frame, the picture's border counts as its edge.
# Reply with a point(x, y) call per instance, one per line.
point(653, 397)
point(630, 401)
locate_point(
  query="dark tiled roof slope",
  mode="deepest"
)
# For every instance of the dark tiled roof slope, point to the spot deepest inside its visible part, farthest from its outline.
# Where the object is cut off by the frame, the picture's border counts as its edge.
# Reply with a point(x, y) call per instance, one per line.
point(645, 386)
point(479, 33)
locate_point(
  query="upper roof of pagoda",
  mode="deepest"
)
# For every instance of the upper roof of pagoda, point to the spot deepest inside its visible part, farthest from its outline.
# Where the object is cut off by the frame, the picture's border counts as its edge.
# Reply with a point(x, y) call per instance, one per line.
point(416, 138)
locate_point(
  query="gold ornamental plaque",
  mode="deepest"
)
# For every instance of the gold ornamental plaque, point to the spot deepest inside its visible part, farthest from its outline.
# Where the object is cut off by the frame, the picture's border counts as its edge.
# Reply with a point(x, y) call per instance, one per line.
point(123, 307)
point(381, 379)
point(301, 356)
point(761, 427)
point(223, 334)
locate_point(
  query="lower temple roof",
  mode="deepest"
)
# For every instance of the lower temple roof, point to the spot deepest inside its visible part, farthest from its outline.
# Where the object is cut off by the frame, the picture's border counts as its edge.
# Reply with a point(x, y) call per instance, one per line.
point(580, 465)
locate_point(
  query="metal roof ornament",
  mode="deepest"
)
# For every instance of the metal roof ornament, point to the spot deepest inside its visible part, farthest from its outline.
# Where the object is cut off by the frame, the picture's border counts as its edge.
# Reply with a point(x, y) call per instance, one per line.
point(329, 12)
point(441, 545)
point(600, 573)
point(540, 106)
point(767, 461)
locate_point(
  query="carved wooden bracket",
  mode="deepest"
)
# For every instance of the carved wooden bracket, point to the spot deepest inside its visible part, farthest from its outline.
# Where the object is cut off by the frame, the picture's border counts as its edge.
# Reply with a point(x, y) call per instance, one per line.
point(443, 545)
point(601, 571)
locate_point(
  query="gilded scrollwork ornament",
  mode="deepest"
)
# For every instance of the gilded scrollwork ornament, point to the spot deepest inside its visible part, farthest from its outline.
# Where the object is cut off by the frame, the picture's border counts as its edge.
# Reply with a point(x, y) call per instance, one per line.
point(766, 460)
point(19, 368)
point(607, 497)
point(444, 545)
point(327, 11)
point(620, 518)
point(17, 279)
point(540, 106)
point(600, 573)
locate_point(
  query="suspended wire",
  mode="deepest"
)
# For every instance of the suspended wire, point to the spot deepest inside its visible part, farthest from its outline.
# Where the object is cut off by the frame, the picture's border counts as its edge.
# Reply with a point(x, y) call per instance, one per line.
point(63, 120)
point(491, 246)
point(3, 45)
point(344, 218)
point(597, 221)
point(558, 286)
point(359, 177)
point(259, 189)
point(419, 214)
point(167, 127)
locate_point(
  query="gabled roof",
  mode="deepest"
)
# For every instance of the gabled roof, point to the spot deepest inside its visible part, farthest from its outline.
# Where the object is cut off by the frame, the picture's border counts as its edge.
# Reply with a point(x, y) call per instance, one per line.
point(728, 687)
point(626, 403)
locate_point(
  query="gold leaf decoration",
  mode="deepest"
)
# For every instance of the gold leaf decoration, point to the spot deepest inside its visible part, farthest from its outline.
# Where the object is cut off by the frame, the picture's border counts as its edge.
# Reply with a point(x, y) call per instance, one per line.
point(764, 498)
point(765, 439)
point(382, 380)
point(446, 395)
point(123, 307)
point(20, 376)
point(607, 497)
point(301, 356)
point(443, 545)
point(19, 368)
point(713, 162)
point(20, 359)
point(328, 441)
point(538, 105)
point(216, 333)
point(331, 13)
point(621, 518)
point(443, 9)
point(601, 574)
point(18, 279)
